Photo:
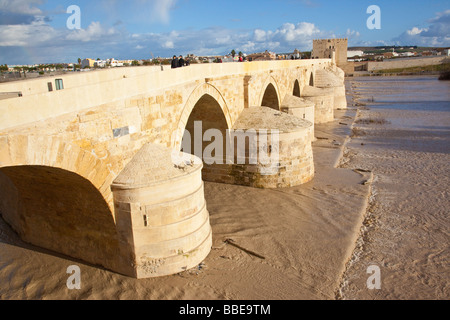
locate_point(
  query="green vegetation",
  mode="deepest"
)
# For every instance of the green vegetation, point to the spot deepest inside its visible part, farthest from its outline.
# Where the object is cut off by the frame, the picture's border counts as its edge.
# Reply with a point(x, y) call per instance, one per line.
point(445, 67)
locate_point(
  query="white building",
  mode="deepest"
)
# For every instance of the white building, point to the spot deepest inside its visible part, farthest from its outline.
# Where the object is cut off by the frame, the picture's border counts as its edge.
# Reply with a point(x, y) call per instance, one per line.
point(352, 54)
point(114, 63)
point(447, 52)
point(100, 63)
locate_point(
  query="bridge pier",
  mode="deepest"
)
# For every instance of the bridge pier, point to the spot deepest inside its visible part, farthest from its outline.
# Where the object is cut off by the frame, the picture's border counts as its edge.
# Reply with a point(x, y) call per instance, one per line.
point(323, 99)
point(60, 152)
point(301, 108)
point(161, 215)
point(333, 79)
point(271, 149)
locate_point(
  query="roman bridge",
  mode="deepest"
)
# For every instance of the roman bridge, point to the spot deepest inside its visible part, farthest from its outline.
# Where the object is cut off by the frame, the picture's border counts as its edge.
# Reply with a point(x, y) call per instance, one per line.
point(87, 165)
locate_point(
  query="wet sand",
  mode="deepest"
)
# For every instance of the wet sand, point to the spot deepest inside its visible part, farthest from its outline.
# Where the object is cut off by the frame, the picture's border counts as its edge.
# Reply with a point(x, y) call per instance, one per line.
point(296, 243)
point(314, 241)
point(407, 146)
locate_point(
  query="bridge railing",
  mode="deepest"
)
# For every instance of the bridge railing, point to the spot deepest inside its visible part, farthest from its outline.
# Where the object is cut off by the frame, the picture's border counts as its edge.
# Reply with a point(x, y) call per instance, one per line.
point(86, 90)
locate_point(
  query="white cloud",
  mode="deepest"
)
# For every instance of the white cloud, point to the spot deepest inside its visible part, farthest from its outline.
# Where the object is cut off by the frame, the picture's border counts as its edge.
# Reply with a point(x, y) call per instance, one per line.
point(260, 35)
point(352, 33)
point(159, 10)
point(26, 7)
point(93, 32)
point(285, 38)
point(436, 34)
point(34, 34)
point(168, 45)
point(415, 31)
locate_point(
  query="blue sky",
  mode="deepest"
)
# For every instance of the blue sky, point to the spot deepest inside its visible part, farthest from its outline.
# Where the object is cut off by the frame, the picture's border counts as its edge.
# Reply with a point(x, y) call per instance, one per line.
point(35, 31)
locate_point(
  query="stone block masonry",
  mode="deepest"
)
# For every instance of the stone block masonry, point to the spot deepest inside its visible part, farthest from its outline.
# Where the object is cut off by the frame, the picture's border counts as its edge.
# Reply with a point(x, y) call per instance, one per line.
point(161, 214)
point(74, 162)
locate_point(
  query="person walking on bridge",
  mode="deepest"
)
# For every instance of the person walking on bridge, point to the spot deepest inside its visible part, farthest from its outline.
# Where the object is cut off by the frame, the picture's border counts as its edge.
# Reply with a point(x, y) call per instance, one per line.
point(175, 62)
point(180, 62)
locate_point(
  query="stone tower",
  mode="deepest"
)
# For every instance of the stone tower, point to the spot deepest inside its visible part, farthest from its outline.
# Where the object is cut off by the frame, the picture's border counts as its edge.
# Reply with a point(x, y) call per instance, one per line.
point(324, 48)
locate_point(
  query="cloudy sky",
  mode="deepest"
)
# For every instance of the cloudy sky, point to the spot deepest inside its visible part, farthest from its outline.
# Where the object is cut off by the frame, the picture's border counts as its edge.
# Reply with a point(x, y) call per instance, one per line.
point(35, 31)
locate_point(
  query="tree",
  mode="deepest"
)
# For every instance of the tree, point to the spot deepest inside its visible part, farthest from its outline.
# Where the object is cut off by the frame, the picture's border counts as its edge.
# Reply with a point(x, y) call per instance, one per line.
point(233, 53)
point(240, 54)
point(79, 60)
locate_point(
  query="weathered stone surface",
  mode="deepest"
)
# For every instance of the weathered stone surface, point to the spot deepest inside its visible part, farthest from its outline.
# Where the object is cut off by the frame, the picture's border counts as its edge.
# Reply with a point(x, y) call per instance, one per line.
point(277, 154)
point(333, 78)
point(88, 134)
point(299, 107)
point(323, 99)
point(161, 212)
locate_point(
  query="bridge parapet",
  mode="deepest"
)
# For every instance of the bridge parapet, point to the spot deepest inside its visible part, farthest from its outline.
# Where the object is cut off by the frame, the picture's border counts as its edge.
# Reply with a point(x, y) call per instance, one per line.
point(89, 132)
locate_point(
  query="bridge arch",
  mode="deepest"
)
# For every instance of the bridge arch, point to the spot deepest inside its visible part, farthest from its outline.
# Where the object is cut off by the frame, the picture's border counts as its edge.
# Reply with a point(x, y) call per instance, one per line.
point(211, 96)
point(57, 196)
point(53, 152)
point(60, 211)
point(296, 91)
point(270, 96)
point(311, 79)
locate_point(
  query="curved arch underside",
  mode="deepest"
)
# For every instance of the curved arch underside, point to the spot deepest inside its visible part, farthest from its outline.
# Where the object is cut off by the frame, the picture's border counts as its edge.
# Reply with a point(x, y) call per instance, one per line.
point(270, 98)
point(296, 92)
point(205, 133)
point(60, 211)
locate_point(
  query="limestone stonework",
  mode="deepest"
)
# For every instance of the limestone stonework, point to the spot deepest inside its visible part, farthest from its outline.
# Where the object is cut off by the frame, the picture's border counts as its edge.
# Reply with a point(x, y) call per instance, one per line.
point(333, 78)
point(285, 142)
point(323, 99)
point(61, 151)
point(333, 48)
point(161, 215)
point(299, 107)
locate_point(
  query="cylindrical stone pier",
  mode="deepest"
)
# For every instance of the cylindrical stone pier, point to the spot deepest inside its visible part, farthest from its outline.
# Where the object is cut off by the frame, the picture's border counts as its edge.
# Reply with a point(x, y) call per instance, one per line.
point(272, 150)
point(323, 100)
point(301, 108)
point(333, 79)
point(161, 213)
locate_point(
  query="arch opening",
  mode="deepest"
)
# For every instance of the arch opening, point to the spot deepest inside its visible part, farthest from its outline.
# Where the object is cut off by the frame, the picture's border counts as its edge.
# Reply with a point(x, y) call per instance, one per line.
point(60, 211)
point(296, 92)
point(205, 135)
point(270, 98)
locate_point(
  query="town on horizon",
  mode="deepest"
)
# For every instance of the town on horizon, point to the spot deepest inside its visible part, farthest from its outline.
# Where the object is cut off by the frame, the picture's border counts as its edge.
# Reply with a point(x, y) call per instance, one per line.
point(354, 54)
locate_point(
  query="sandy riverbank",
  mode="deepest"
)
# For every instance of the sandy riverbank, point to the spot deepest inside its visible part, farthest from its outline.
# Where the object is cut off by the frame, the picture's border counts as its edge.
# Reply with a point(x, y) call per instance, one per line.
point(302, 238)
point(403, 136)
point(313, 241)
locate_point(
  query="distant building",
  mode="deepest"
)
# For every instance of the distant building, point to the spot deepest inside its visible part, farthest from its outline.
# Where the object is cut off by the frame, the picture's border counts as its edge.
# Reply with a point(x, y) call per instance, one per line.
point(295, 55)
point(447, 52)
point(100, 63)
point(87, 63)
point(327, 48)
point(407, 54)
point(262, 56)
point(355, 53)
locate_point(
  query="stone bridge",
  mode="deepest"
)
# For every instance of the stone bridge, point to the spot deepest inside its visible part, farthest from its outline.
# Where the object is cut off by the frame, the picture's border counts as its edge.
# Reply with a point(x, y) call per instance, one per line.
point(87, 165)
